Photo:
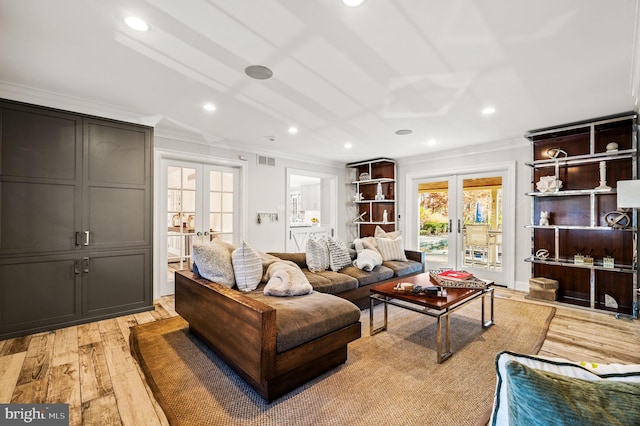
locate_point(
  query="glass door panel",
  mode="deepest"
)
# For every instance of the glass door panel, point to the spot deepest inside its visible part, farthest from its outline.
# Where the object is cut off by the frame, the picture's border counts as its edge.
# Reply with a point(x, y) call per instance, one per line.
point(434, 221)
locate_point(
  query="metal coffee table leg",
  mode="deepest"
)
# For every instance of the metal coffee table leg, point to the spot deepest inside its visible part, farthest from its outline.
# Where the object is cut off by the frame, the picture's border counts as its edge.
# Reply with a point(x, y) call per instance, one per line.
point(490, 322)
point(447, 343)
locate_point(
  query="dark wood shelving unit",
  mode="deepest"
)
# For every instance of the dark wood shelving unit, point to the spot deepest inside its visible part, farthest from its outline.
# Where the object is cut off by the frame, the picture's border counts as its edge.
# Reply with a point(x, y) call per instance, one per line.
point(578, 211)
point(371, 211)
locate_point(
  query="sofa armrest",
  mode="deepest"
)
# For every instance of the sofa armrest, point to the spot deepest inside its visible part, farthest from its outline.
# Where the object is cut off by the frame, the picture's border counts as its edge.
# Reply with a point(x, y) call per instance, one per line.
point(238, 328)
point(418, 256)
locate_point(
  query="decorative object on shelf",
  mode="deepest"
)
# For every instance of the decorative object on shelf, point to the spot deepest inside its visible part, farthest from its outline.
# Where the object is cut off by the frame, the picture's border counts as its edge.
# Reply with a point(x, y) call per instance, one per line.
point(556, 153)
point(360, 217)
point(612, 147)
point(191, 221)
point(542, 254)
point(608, 261)
point(385, 217)
point(544, 218)
point(603, 178)
point(175, 220)
point(358, 197)
point(379, 195)
point(618, 219)
point(365, 176)
point(549, 184)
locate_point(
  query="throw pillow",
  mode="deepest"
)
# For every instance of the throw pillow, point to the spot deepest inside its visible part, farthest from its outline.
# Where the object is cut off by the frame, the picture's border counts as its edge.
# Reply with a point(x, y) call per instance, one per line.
point(338, 254)
point(368, 259)
point(317, 254)
point(391, 249)
point(381, 233)
point(539, 397)
point(247, 267)
point(586, 371)
point(285, 278)
point(214, 263)
point(364, 243)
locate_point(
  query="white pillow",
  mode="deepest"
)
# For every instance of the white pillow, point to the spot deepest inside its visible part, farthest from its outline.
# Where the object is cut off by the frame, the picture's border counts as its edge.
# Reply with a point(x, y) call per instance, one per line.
point(578, 370)
point(364, 243)
point(338, 254)
point(317, 254)
point(368, 259)
point(214, 262)
point(391, 249)
point(247, 267)
point(381, 233)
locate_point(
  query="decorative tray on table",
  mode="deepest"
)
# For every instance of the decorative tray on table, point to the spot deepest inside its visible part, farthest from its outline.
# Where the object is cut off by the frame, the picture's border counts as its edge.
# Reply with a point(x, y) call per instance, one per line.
point(456, 279)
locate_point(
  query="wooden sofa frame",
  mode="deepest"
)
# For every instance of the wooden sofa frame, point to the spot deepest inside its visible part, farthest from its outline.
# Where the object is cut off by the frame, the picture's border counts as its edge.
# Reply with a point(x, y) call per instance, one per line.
point(242, 332)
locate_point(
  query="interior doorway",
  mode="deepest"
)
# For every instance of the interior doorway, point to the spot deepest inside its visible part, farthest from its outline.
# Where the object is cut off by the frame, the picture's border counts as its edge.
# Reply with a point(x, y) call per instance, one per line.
point(312, 209)
point(196, 201)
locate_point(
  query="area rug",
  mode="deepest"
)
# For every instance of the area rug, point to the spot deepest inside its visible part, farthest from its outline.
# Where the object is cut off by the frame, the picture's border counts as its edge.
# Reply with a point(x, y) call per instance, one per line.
point(391, 378)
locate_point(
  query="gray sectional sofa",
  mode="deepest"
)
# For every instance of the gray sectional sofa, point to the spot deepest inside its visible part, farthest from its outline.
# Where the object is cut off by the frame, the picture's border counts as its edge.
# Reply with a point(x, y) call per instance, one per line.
point(352, 283)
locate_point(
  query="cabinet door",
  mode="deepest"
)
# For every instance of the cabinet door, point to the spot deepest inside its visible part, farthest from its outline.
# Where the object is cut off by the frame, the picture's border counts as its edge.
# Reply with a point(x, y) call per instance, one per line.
point(117, 184)
point(40, 180)
point(116, 281)
point(38, 292)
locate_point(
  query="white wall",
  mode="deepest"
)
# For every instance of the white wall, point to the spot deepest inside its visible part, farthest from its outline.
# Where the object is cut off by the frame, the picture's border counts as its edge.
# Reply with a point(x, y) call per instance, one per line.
point(471, 157)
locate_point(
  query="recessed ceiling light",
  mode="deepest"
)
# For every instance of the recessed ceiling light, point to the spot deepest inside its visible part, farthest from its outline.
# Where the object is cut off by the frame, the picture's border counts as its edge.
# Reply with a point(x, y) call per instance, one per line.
point(209, 107)
point(136, 23)
point(293, 130)
point(259, 72)
point(352, 3)
point(348, 145)
point(431, 142)
point(403, 132)
point(488, 110)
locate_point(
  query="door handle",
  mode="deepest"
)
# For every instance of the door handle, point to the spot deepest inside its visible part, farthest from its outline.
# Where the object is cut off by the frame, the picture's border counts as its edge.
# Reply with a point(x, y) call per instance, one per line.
point(450, 226)
point(458, 226)
point(199, 234)
point(85, 265)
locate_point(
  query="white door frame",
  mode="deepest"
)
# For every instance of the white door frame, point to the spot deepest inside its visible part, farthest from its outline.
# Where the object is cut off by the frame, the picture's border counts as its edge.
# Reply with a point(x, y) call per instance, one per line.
point(161, 157)
point(329, 205)
point(412, 219)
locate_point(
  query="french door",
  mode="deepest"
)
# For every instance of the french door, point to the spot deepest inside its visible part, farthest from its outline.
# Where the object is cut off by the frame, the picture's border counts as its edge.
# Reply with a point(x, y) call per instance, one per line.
point(461, 222)
point(201, 204)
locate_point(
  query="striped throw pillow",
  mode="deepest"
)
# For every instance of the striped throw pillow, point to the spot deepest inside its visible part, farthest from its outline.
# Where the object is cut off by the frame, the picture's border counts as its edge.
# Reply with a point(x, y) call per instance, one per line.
point(391, 249)
point(317, 254)
point(247, 267)
point(338, 254)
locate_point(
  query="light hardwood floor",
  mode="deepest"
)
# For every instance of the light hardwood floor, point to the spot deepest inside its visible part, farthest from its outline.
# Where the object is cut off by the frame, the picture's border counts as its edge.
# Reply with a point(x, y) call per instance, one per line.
point(90, 366)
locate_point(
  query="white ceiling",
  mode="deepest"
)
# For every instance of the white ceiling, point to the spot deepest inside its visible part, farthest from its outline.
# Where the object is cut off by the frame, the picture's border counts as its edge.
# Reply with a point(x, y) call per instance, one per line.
point(340, 74)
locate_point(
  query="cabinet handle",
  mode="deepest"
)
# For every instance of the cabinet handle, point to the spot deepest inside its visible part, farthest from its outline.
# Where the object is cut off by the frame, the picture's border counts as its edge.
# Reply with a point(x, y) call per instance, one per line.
point(76, 267)
point(85, 263)
point(86, 238)
point(78, 239)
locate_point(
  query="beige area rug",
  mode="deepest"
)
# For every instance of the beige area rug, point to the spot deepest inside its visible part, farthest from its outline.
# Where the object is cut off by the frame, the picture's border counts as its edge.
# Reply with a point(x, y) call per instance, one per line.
point(390, 378)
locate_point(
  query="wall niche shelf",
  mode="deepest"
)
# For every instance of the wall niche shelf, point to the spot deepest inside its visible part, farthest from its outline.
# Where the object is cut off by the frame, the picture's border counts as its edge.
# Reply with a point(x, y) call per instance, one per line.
point(593, 153)
point(373, 193)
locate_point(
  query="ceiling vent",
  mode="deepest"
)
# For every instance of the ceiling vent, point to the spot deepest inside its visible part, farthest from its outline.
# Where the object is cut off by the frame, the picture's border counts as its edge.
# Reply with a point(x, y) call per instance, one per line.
point(266, 161)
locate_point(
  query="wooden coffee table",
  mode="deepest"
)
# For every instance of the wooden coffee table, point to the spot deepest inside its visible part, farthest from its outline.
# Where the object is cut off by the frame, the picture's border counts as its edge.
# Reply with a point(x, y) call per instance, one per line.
point(438, 307)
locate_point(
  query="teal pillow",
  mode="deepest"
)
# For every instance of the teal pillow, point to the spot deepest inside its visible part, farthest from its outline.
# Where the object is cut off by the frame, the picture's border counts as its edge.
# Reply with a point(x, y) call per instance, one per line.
point(537, 397)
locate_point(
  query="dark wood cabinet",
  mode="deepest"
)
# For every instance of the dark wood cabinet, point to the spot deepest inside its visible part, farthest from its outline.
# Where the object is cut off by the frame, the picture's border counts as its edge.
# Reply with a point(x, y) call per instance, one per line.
point(75, 218)
point(374, 195)
point(576, 246)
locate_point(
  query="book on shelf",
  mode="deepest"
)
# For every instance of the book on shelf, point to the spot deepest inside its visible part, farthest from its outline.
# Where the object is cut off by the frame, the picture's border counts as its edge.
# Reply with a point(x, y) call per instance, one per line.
point(455, 275)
